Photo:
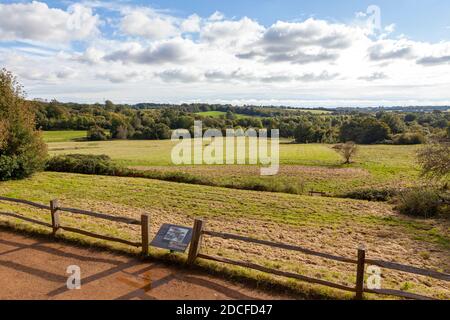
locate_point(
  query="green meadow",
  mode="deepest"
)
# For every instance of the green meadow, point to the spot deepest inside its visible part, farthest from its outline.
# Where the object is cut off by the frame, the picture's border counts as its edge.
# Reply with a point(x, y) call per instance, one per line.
point(305, 167)
point(63, 136)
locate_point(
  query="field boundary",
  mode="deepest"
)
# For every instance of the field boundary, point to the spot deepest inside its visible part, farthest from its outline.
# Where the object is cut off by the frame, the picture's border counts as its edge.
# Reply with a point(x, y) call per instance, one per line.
point(196, 244)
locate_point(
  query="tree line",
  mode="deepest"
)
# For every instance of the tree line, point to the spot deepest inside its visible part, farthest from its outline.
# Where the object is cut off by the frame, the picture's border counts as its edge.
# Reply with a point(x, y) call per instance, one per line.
point(153, 121)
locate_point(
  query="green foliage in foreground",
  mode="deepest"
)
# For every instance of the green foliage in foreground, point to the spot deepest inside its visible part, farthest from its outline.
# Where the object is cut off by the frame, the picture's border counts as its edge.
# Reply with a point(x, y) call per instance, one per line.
point(22, 150)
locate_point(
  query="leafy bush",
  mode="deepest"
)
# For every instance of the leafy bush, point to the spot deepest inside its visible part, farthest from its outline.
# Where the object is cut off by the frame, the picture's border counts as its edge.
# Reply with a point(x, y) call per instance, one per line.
point(423, 202)
point(408, 138)
point(371, 194)
point(83, 163)
point(96, 133)
point(22, 150)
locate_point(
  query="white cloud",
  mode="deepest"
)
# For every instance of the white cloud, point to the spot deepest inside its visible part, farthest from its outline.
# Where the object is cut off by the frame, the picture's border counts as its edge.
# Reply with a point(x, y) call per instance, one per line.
point(391, 50)
point(36, 21)
point(168, 51)
point(149, 25)
point(191, 24)
point(231, 34)
point(302, 42)
point(216, 16)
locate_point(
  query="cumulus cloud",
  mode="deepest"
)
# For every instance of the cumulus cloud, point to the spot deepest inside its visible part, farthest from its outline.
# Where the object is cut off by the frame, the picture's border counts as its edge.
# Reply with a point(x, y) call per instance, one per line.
point(117, 77)
point(216, 16)
point(170, 51)
point(36, 21)
point(390, 50)
point(90, 56)
point(149, 25)
point(434, 60)
point(191, 24)
point(230, 33)
point(302, 42)
point(302, 58)
point(289, 36)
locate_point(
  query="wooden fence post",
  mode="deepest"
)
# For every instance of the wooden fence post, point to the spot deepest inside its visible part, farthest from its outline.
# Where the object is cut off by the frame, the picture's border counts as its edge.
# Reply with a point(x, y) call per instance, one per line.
point(145, 233)
point(194, 248)
point(55, 215)
point(360, 272)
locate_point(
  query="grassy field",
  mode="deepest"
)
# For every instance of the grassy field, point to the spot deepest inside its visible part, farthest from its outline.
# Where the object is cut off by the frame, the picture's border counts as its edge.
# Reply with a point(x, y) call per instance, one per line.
point(63, 136)
point(306, 167)
point(330, 225)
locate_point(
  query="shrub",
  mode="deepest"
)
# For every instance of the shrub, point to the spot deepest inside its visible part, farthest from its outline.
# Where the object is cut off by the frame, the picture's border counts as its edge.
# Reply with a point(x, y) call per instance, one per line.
point(83, 163)
point(371, 194)
point(423, 202)
point(96, 133)
point(408, 138)
point(22, 150)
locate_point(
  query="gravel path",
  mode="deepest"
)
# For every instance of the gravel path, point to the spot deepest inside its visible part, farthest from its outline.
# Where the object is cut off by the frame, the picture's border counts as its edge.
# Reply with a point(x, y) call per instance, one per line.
point(35, 268)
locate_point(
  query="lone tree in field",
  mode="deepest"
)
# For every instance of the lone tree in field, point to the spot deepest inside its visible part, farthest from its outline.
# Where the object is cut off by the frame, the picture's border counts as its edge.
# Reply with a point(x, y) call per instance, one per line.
point(435, 160)
point(22, 150)
point(346, 150)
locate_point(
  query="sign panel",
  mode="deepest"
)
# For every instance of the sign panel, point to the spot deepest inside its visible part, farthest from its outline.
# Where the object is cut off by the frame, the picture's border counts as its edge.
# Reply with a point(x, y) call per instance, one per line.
point(172, 237)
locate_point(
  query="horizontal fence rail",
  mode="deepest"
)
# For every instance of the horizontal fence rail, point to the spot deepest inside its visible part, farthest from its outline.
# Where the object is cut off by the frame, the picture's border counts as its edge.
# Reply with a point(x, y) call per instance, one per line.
point(279, 245)
point(95, 235)
point(13, 215)
point(409, 269)
point(55, 211)
point(30, 203)
point(277, 272)
point(361, 262)
point(101, 215)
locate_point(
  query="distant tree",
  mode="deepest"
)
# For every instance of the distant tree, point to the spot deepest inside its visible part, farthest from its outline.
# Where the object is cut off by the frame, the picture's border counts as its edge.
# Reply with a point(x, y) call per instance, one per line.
point(162, 131)
point(410, 117)
point(346, 150)
point(230, 115)
point(304, 133)
point(364, 131)
point(121, 132)
point(119, 127)
point(22, 150)
point(394, 122)
point(109, 105)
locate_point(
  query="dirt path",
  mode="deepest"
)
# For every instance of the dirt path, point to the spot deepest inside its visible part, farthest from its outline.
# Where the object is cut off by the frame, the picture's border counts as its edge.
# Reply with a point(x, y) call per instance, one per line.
point(35, 268)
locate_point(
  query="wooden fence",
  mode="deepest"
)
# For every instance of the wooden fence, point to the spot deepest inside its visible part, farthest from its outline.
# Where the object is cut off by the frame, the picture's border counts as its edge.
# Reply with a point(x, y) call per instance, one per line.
point(55, 213)
point(360, 261)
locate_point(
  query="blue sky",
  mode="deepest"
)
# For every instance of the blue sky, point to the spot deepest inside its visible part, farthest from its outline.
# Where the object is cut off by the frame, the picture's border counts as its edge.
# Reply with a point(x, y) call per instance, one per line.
point(304, 53)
